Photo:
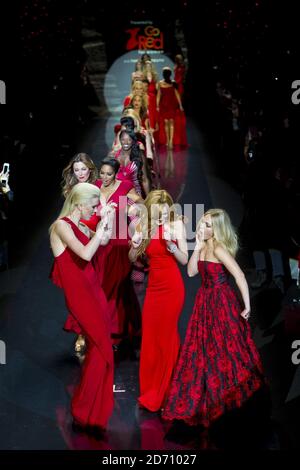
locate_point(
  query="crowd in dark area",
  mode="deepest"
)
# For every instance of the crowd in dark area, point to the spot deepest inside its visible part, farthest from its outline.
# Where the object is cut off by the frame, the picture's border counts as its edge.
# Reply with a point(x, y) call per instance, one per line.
point(254, 120)
point(254, 126)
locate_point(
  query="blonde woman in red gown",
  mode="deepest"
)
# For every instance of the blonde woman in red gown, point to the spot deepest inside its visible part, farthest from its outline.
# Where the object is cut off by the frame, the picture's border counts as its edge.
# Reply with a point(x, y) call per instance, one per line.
point(92, 403)
point(162, 240)
point(138, 71)
point(219, 367)
point(80, 169)
point(179, 73)
point(151, 76)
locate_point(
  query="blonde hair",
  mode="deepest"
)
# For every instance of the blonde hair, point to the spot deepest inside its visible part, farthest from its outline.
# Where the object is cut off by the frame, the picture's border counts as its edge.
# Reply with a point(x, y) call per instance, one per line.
point(144, 105)
point(80, 194)
point(153, 70)
point(224, 232)
point(153, 206)
point(131, 113)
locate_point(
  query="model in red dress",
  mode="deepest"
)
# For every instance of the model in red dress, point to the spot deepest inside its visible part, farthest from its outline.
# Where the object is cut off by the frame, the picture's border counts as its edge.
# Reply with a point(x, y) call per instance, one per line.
point(171, 116)
point(219, 367)
point(115, 267)
point(179, 73)
point(162, 305)
point(92, 403)
point(81, 169)
point(151, 76)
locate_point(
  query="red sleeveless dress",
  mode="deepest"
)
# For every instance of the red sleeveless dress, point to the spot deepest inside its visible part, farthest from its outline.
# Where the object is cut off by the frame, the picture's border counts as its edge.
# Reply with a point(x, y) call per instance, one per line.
point(169, 109)
point(128, 173)
point(152, 104)
point(92, 403)
point(168, 102)
point(179, 76)
point(219, 367)
point(114, 269)
point(160, 339)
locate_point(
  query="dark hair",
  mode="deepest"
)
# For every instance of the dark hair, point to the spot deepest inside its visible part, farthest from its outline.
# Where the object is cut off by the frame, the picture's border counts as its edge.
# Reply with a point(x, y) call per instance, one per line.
point(112, 162)
point(145, 57)
point(135, 153)
point(166, 73)
point(128, 122)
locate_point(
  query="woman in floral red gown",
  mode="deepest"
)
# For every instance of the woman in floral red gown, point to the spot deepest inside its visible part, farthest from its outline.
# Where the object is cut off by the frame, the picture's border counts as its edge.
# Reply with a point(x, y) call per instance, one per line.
point(219, 367)
point(164, 244)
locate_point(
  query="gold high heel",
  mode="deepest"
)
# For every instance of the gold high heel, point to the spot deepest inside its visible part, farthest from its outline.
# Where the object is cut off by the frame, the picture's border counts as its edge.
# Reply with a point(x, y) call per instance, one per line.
point(80, 344)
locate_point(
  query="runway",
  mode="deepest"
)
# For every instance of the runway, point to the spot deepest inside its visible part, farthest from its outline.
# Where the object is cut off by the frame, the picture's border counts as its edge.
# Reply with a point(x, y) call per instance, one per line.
point(41, 368)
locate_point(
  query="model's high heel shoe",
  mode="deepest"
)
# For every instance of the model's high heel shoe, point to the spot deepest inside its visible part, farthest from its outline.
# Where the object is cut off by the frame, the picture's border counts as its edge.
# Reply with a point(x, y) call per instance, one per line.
point(80, 344)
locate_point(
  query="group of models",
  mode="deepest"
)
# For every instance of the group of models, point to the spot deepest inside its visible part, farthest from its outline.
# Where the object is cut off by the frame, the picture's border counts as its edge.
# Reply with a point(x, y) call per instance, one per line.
point(216, 369)
point(111, 219)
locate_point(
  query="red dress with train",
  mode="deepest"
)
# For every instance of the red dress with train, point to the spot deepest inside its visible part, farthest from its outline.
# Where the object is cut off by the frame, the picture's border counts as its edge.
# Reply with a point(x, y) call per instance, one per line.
point(160, 339)
point(219, 367)
point(92, 403)
point(169, 109)
point(168, 102)
point(114, 269)
point(152, 104)
point(179, 76)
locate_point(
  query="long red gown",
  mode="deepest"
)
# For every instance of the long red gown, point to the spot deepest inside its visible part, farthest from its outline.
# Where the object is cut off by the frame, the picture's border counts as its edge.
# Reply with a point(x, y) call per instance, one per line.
point(92, 402)
point(169, 109)
point(219, 367)
point(114, 269)
point(179, 76)
point(160, 339)
point(152, 104)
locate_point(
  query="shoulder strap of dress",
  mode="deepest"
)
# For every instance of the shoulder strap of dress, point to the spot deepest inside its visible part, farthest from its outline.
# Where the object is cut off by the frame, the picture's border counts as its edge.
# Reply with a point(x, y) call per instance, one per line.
point(70, 222)
point(74, 227)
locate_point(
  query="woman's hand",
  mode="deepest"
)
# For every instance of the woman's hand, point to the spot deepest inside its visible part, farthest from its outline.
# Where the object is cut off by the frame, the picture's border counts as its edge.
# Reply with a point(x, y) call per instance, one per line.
point(108, 210)
point(105, 226)
point(199, 238)
point(246, 314)
point(136, 240)
point(167, 234)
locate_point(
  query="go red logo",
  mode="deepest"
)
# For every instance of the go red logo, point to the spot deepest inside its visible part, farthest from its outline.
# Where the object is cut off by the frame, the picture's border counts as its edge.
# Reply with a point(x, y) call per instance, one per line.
point(149, 38)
